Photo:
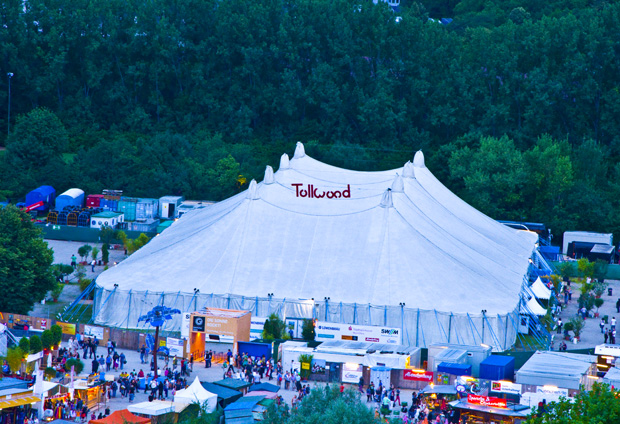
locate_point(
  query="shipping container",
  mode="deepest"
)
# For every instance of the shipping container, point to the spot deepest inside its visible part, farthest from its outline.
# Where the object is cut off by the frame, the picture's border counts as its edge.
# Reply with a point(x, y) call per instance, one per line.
point(147, 209)
point(148, 226)
point(109, 205)
point(71, 197)
point(169, 206)
point(127, 206)
point(94, 200)
point(497, 367)
point(164, 224)
point(45, 194)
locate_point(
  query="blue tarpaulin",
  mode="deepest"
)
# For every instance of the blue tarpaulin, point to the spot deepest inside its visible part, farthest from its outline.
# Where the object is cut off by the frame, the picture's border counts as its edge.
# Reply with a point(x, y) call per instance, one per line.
point(454, 369)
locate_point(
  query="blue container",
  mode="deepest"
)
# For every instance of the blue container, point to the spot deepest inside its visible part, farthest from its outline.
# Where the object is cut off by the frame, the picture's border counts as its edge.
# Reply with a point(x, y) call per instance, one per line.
point(498, 367)
point(109, 205)
point(45, 194)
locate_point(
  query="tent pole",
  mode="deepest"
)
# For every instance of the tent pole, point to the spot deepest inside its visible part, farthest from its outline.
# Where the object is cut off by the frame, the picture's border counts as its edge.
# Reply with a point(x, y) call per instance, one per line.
point(449, 327)
point(417, 329)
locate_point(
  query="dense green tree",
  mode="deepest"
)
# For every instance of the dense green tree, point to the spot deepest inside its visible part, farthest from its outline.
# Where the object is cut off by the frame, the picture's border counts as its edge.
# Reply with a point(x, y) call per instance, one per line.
point(274, 328)
point(25, 262)
point(35, 344)
point(599, 405)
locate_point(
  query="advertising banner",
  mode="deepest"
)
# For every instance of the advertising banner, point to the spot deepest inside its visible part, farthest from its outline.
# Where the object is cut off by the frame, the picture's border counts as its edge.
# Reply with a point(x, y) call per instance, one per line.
point(93, 331)
point(492, 402)
point(506, 387)
point(415, 375)
point(256, 327)
point(185, 320)
point(549, 390)
point(351, 373)
point(358, 333)
point(67, 328)
point(175, 346)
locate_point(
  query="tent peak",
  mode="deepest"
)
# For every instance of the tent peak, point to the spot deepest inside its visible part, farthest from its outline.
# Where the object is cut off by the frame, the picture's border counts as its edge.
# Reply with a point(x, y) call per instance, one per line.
point(398, 185)
point(408, 170)
point(268, 179)
point(418, 159)
point(284, 162)
point(300, 152)
point(253, 191)
point(386, 200)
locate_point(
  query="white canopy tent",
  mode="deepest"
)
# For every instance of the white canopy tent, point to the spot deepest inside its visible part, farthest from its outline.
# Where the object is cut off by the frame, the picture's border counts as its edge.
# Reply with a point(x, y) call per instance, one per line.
point(374, 248)
point(533, 307)
point(540, 290)
point(195, 393)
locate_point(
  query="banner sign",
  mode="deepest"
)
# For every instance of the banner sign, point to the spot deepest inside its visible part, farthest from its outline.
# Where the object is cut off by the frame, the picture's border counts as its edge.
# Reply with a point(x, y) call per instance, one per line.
point(506, 387)
point(175, 346)
point(414, 375)
point(185, 319)
point(351, 373)
point(256, 327)
point(492, 402)
point(357, 333)
point(93, 331)
point(67, 328)
point(548, 390)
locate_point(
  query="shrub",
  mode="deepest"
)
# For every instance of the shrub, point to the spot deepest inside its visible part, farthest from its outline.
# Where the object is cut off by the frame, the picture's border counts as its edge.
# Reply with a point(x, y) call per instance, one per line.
point(83, 251)
point(35, 344)
point(598, 303)
point(274, 328)
point(49, 373)
point(14, 358)
point(307, 331)
point(105, 253)
point(57, 291)
point(577, 325)
point(77, 365)
point(47, 339)
point(24, 344)
point(94, 253)
point(56, 334)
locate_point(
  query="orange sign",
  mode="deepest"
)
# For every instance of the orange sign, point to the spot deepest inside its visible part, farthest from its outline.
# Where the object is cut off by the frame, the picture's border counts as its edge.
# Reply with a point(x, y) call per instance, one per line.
point(492, 402)
point(67, 328)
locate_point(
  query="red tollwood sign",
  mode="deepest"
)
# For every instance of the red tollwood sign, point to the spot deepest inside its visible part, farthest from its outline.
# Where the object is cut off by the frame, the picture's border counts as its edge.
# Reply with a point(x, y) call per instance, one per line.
point(417, 375)
point(492, 402)
point(313, 192)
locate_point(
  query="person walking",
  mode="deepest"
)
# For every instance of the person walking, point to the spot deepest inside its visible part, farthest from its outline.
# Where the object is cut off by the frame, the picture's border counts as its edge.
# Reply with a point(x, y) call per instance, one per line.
point(618, 305)
point(602, 326)
point(142, 354)
point(73, 261)
point(122, 359)
point(560, 325)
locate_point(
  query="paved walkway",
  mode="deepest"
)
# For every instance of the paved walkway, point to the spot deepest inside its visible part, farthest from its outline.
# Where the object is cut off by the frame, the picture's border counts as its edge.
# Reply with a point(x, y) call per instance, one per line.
point(212, 374)
point(591, 334)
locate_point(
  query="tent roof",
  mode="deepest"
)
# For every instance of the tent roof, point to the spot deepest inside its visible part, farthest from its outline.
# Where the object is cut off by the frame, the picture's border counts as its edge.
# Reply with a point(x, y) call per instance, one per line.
point(151, 408)
point(556, 365)
point(540, 290)
point(265, 387)
point(394, 235)
point(122, 416)
point(533, 307)
point(194, 393)
point(222, 392)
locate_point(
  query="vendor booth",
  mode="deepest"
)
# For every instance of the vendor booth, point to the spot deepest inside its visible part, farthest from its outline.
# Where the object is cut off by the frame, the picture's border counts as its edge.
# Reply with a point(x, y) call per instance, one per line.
point(484, 409)
point(234, 384)
point(122, 417)
point(16, 404)
point(195, 393)
point(90, 391)
point(612, 377)
point(218, 330)
point(158, 411)
point(550, 369)
point(225, 395)
point(437, 397)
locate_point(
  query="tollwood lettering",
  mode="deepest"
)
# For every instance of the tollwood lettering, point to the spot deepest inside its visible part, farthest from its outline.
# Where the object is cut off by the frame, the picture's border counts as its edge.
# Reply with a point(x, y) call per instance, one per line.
point(312, 192)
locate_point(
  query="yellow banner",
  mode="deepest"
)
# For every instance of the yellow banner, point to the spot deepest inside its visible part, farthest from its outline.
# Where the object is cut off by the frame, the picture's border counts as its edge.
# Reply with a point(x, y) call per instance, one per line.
point(162, 342)
point(305, 366)
point(67, 328)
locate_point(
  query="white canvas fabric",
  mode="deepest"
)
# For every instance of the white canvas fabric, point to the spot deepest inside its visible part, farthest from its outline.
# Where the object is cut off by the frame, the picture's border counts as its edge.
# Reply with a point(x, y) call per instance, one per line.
point(540, 290)
point(392, 248)
point(195, 393)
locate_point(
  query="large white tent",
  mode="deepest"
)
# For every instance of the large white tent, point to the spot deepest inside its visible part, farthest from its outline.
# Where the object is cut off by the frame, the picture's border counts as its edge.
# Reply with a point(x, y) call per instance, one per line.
point(392, 248)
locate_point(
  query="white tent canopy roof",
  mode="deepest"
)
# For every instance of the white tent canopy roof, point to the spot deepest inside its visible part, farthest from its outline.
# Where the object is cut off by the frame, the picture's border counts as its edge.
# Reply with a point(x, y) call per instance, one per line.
point(533, 307)
point(383, 238)
point(540, 290)
point(195, 393)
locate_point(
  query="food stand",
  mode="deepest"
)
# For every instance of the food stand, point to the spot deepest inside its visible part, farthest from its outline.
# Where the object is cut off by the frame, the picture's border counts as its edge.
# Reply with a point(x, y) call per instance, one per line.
point(16, 404)
point(437, 396)
point(484, 409)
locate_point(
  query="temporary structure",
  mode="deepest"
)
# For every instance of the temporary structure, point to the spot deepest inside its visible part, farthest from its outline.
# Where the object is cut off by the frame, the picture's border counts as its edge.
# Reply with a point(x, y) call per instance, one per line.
point(122, 416)
point(559, 369)
point(540, 290)
point(532, 307)
point(195, 393)
point(373, 248)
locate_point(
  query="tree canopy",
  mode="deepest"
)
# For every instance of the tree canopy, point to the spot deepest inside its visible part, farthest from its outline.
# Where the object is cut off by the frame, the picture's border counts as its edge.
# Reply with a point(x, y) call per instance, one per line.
point(195, 97)
point(600, 405)
point(25, 262)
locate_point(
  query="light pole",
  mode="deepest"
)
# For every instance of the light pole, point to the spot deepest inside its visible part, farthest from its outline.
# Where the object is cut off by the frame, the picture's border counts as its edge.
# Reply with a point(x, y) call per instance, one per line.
point(8, 121)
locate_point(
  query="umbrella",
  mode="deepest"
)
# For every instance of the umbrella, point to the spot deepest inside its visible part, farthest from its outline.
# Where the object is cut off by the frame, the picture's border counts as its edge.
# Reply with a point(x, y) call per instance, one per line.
point(49, 360)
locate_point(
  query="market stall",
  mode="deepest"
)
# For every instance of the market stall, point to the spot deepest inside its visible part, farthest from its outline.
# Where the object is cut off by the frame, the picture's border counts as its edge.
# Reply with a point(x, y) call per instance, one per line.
point(195, 393)
point(484, 409)
point(122, 417)
point(16, 404)
point(225, 395)
point(437, 397)
point(158, 411)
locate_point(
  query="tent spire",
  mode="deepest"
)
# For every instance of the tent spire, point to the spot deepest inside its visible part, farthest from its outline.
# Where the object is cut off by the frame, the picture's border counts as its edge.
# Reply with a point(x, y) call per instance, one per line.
point(253, 191)
point(398, 185)
point(386, 200)
point(300, 152)
point(268, 179)
point(418, 159)
point(284, 162)
point(408, 170)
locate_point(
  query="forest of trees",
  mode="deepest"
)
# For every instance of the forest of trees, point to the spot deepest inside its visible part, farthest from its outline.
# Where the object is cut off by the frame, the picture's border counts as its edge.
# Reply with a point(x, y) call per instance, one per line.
point(516, 104)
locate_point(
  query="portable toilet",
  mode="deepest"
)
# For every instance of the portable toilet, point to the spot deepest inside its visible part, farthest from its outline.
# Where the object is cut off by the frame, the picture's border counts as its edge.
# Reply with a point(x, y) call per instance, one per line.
point(169, 206)
point(71, 197)
point(45, 194)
